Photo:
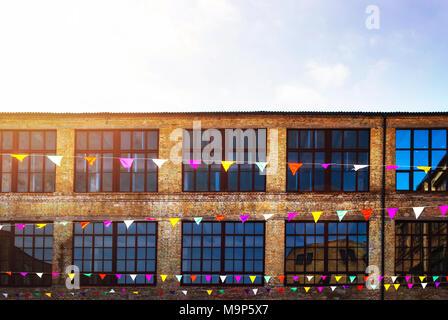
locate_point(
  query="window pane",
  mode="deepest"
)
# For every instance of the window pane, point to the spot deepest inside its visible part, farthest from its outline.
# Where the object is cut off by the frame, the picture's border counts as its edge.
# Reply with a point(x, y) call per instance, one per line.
point(403, 139)
point(438, 139)
point(421, 139)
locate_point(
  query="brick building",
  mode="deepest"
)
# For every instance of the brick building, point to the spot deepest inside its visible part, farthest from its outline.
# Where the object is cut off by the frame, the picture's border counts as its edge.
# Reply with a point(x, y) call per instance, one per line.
point(35, 190)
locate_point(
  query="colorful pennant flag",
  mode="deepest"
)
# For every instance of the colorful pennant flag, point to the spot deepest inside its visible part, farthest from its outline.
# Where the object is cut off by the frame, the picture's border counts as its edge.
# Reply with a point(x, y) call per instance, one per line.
point(19, 157)
point(294, 167)
point(261, 165)
point(159, 162)
point(91, 160)
point(107, 223)
point(223, 278)
point(443, 209)
point(244, 218)
point(20, 226)
point(326, 165)
point(359, 166)
point(316, 215)
point(126, 162)
point(197, 220)
point(418, 211)
point(291, 215)
point(392, 167)
point(267, 216)
point(367, 213)
point(267, 278)
point(163, 276)
point(220, 217)
point(341, 214)
point(227, 164)
point(252, 278)
point(39, 274)
point(392, 212)
point(84, 224)
point(174, 221)
point(128, 223)
point(195, 163)
point(55, 159)
point(40, 225)
point(426, 169)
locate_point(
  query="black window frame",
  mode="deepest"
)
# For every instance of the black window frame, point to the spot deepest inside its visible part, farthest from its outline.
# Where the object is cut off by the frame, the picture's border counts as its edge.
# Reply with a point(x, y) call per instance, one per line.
point(224, 181)
point(317, 280)
point(259, 274)
point(112, 280)
point(43, 153)
point(328, 150)
point(116, 152)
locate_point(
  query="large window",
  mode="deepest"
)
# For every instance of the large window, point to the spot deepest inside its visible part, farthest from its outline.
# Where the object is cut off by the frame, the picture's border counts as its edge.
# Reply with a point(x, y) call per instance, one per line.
point(107, 173)
point(28, 250)
point(341, 148)
point(421, 148)
point(421, 248)
point(115, 249)
point(244, 175)
point(211, 249)
point(325, 248)
point(35, 173)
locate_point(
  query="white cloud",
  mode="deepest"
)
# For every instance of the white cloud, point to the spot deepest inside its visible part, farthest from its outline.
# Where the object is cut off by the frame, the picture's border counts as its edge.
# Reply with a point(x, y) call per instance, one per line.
point(327, 76)
point(297, 95)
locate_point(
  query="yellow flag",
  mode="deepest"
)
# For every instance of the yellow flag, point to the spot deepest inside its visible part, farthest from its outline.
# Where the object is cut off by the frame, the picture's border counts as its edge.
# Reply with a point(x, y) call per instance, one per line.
point(337, 278)
point(422, 278)
point(307, 289)
point(396, 286)
point(48, 294)
point(252, 278)
point(174, 221)
point(71, 275)
point(41, 225)
point(426, 169)
point(387, 286)
point(136, 292)
point(227, 164)
point(316, 215)
point(209, 292)
point(163, 276)
point(19, 157)
point(91, 160)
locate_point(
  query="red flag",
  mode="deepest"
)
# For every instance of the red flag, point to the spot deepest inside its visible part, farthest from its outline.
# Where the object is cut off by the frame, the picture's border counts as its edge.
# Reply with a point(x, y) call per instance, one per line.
point(365, 278)
point(281, 278)
point(281, 289)
point(367, 213)
point(294, 167)
point(102, 276)
point(8, 272)
point(220, 217)
point(360, 287)
point(83, 224)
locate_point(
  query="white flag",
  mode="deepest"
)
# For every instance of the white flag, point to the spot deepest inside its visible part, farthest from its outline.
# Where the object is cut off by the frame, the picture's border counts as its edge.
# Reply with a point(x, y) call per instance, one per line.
point(418, 211)
point(255, 291)
point(223, 278)
point(359, 166)
point(159, 162)
point(39, 274)
point(55, 159)
point(267, 216)
point(133, 276)
point(128, 223)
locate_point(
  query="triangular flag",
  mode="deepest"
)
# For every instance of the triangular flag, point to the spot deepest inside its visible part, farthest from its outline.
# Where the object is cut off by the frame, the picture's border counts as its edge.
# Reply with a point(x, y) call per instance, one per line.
point(434, 278)
point(396, 285)
point(359, 166)
point(341, 214)
point(174, 221)
point(71, 275)
point(337, 278)
point(238, 278)
point(244, 218)
point(178, 277)
point(291, 215)
point(437, 284)
point(193, 277)
point(55, 274)
point(19, 157)
point(83, 224)
point(208, 278)
point(163, 276)
point(55, 159)
point(281, 278)
point(267, 216)
point(159, 162)
point(443, 209)
point(227, 164)
point(367, 213)
point(107, 223)
point(316, 215)
point(1, 226)
point(267, 278)
point(118, 275)
point(252, 278)
point(408, 278)
point(48, 294)
point(195, 163)
point(294, 167)
point(128, 223)
point(39, 274)
point(320, 289)
point(197, 220)
point(209, 292)
point(306, 288)
point(40, 225)
point(387, 286)
point(422, 278)
point(391, 167)
point(88, 274)
point(325, 165)
point(393, 278)
point(309, 278)
point(294, 289)
point(220, 218)
point(255, 291)
point(223, 278)
point(410, 285)
point(21, 226)
point(126, 162)
point(418, 211)
point(333, 288)
point(148, 277)
point(426, 169)
point(424, 284)
point(91, 160)
point(352, 278)
point(380, 278)
point(373, 286)
point(184, 292)
point(102, 276)
point(133, 276)
point(360, 287)
point(392, 212)
point(261, 165)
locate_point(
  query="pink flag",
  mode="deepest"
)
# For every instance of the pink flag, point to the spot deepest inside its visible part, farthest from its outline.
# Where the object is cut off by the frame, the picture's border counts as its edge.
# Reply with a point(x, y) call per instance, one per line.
point(23, 273)
point(410, 285)
point(443, 209)
point(20, 226)
point(149, 276)
point(408, 278)
point(323, 277)
point(244, 218)
point(238, 278)
point(195, 163)
point(380, 278)
point(392, 212)
point(208, 278)
point(291, 215)
point(325, 165)
point(55, 274)
point(295, 278)
point(107, 223)
point(391, 167)
point(126, 162)
point(437, 284)
point(320, 289)
point(118, 275)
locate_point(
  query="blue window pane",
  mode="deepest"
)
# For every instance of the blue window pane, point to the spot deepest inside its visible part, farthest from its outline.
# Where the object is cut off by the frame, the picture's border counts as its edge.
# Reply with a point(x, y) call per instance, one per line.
point(363, 139)
point(421, 158)
point(437, 156)
point(402, 181)
point(349, 139)
point(403, 158)
point(293, 139)
point(418, 178)
point(336, 138)
point(438, 139)
point(306, 139)
point(403, 139)
point(349, 181)
point(421, 139)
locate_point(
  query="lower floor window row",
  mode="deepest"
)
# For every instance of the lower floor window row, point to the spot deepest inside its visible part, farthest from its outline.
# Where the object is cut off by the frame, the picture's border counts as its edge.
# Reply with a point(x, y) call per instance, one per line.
point(210, 250)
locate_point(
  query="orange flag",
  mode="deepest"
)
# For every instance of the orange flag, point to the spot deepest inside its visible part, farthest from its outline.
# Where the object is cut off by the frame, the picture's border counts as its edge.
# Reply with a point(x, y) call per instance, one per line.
point(102, 276)
point(367, 213)
point(83, 224)
point(8, 272)
point(91, 160)
point(294, 167)
point(193, 277)
point(281, 278)
point(220, 217)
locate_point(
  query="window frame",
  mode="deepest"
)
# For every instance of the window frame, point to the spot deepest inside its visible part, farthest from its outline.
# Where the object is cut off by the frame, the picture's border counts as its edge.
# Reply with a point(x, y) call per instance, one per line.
point(223, 174)
point(222, 260)
point(413, 167)
point(30, 152)
point(111, 274)
point(16, 274)
point(116, 152)
point(328, 154)
point(326, 236)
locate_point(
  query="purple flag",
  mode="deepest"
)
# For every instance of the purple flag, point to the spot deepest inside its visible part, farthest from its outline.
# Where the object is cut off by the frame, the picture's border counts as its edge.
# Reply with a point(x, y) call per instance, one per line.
point(244, 218)
point(126, 162)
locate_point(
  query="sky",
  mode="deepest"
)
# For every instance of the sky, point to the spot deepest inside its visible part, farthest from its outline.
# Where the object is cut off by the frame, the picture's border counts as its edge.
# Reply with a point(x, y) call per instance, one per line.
point(222, 55)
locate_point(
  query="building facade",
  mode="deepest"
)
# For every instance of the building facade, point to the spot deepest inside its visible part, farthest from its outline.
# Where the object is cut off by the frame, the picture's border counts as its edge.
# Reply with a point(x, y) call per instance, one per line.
point(293, 249)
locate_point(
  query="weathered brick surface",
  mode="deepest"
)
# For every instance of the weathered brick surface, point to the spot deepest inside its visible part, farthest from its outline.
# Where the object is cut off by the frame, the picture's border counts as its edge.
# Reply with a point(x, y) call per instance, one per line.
point(170, 201)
